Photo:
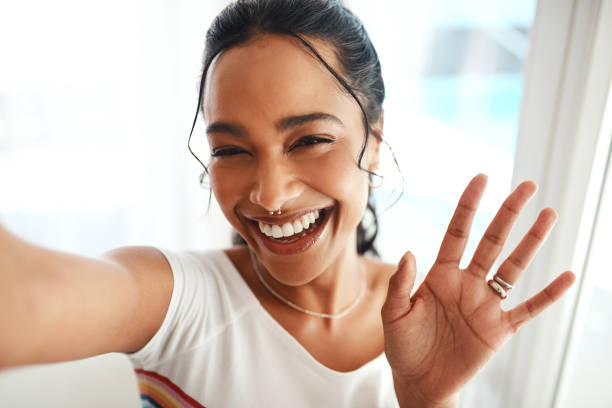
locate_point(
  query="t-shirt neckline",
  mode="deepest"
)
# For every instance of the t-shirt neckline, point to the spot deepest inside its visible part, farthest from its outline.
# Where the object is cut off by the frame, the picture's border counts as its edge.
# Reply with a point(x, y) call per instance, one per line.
point(287, 337)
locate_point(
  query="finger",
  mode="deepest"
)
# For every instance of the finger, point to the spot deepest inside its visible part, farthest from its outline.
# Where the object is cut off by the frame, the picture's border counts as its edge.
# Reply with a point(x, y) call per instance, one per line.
point(494, 238)
point(458, 231)
point(401, 283)
point(536, 304)
point(518, 261)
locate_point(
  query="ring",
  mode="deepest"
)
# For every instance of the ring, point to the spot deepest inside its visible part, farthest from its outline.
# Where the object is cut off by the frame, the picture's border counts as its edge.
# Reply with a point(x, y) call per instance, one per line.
point(503, 283)
point(498, 289)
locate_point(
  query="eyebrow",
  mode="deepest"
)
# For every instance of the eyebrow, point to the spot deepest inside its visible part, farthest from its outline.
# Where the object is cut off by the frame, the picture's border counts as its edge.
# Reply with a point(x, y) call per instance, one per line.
point(224, 127)
point(294, 121)
point(284, 124)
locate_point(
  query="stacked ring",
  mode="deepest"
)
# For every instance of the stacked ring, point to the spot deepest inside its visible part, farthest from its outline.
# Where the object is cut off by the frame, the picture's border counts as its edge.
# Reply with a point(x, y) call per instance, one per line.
point(503, 283)
point(500, 286)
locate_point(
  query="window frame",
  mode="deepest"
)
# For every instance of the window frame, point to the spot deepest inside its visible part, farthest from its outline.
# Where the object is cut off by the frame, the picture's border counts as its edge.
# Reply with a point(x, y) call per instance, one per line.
point(563, 146)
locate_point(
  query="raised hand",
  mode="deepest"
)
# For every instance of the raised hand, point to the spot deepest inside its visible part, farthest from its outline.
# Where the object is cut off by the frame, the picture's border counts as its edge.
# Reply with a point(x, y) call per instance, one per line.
point(437, 339)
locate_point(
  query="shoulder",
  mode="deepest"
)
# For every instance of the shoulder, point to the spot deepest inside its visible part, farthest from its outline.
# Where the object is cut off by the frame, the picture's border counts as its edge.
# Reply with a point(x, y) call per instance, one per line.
point(153, 281)
point(152, 261)
point(146, 264)
point(138, 257)
point(240, 258)
point(379, 273)
point(174, 287)
point(378, 267)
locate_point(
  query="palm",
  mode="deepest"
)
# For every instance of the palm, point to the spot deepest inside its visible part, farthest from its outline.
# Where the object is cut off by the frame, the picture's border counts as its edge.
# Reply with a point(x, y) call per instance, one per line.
point(456, 331)
point(438, 338)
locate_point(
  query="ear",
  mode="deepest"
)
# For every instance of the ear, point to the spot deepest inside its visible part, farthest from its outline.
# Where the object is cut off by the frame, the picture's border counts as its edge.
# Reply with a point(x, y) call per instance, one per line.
point(374, 142)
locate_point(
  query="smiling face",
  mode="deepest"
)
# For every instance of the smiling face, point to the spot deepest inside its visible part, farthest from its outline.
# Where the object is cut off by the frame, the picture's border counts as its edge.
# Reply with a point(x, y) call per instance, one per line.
point(283, 134)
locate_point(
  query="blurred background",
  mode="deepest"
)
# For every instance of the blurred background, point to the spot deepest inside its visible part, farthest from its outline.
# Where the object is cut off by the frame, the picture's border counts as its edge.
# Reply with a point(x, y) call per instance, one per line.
point(96, 103)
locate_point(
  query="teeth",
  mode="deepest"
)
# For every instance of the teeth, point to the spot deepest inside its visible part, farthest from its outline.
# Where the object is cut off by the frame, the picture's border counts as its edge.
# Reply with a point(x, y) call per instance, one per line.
point(267, 230)
point(297, 227)
point(305, 221)
point(277, 232)
point(290, 228)
point(287, 230)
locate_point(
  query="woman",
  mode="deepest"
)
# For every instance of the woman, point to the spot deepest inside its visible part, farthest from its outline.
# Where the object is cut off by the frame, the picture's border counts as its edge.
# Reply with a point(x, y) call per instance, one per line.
point(292, 96)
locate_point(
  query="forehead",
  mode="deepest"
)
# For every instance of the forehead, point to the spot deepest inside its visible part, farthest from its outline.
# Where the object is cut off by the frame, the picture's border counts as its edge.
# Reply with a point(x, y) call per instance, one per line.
point(271, 77)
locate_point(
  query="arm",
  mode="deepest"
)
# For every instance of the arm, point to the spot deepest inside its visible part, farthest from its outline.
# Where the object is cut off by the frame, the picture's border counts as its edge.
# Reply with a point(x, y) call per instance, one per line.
point(56, 306)
point(411, 398)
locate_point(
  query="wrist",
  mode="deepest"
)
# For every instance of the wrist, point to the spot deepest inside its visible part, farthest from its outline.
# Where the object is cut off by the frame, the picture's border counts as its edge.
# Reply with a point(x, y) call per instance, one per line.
point(409, 396)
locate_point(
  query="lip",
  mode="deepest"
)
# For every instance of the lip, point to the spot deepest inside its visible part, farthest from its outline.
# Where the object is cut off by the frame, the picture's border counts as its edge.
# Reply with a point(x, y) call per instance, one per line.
point(295, 247)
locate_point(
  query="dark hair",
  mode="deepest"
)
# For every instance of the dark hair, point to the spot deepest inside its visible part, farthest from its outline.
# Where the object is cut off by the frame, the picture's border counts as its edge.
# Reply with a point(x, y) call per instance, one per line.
point(327, 20)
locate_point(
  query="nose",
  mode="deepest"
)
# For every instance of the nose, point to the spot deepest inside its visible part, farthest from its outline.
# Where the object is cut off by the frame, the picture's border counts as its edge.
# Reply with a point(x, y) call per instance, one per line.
point(274, 186)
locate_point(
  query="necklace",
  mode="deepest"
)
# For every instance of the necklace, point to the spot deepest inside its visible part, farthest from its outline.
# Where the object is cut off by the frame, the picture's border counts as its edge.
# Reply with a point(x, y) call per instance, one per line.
point(301, 309)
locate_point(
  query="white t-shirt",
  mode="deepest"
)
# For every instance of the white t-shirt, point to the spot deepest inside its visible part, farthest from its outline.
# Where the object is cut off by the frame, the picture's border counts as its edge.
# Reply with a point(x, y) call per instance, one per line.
point(218, 347)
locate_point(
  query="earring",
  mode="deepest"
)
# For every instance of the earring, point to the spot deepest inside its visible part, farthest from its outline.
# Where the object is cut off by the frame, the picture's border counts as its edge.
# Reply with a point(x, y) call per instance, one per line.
point(375, 180)
point(203, 178)
point(278, 212)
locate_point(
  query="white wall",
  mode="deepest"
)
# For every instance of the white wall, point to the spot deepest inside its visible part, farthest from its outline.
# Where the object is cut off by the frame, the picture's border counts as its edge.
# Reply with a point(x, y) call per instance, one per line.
point(96, 101)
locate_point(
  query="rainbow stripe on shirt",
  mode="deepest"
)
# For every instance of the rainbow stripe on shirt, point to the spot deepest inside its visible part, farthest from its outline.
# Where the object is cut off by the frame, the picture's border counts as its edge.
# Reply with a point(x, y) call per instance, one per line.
point(157, 391)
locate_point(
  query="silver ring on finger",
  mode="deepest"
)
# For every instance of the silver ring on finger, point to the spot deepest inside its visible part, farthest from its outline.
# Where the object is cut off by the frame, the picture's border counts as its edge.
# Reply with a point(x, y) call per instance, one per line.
point(498, 289)
point(503, 283)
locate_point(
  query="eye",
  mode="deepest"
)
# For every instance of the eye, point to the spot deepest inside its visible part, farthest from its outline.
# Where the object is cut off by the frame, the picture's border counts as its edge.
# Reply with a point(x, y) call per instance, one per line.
point(311, 140)
point(226, 151)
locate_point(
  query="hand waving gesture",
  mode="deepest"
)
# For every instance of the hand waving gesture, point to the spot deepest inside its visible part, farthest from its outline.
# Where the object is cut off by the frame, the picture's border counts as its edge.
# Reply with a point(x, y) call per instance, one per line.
point(437, 339)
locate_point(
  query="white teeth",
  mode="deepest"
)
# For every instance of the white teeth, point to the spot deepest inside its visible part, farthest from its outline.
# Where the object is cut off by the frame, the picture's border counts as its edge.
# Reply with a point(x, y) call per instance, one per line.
point(297, 227)
point(277, 232)
point(305, 221)
point(287, 230)
point(265, 228)
point(268, 230)
point(290, 228)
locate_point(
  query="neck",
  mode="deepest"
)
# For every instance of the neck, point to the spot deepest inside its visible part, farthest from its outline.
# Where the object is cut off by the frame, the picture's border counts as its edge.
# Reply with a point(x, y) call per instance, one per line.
point(336, 287)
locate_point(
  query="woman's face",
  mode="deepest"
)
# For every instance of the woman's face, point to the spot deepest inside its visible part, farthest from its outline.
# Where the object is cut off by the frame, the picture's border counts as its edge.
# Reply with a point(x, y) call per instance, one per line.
point(283, 134)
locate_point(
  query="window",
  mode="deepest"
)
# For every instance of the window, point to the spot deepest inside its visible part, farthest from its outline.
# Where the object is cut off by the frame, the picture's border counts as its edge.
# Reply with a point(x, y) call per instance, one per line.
point(564, 144)
point(584, 379)
point(453, 76)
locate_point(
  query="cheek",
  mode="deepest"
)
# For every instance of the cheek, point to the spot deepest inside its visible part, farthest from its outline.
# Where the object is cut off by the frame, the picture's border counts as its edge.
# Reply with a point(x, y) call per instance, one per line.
point(338, 175)
point(226, 186)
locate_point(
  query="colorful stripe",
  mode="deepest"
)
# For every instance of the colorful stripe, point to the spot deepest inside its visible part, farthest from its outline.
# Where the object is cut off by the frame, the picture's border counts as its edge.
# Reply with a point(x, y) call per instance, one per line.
point(157, 391)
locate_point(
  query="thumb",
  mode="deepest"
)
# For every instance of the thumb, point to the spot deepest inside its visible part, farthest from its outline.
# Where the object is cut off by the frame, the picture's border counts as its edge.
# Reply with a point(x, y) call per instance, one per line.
point(401, 283)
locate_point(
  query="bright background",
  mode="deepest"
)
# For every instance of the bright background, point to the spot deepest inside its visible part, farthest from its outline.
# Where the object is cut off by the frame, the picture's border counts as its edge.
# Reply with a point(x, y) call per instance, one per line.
point(97, 98)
